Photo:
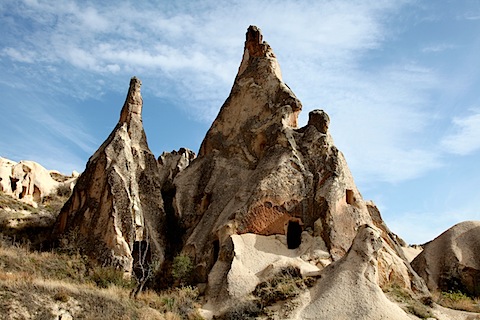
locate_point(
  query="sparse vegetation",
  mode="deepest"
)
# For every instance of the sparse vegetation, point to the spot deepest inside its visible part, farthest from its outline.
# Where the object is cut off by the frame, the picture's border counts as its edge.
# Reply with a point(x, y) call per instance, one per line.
point(408, 303)
point(458, 300)
point(42, 283)
point(288, 283)
point(26, 223)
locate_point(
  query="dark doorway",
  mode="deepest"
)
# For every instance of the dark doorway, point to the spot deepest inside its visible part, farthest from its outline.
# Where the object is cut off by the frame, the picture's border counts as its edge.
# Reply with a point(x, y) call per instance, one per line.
point(294, 235)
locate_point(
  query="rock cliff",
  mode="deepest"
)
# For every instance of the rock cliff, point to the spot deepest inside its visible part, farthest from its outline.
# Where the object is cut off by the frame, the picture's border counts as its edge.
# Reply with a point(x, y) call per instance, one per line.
point(451, 261)
point(115, 213)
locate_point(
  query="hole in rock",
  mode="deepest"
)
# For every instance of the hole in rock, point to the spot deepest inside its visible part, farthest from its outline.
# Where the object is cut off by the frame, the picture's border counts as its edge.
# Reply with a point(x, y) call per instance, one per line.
point(37, 196)
point(350, 197)
point(294, 235)
point(13, 183)
point(23, 193)
point(216, 250)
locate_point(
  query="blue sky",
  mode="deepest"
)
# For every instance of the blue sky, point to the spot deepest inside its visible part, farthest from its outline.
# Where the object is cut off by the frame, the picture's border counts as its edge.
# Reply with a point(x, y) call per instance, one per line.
point(400, 80)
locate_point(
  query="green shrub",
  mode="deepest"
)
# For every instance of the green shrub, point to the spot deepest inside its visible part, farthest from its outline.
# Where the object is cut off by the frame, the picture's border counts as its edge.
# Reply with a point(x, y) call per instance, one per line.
point(182, 268)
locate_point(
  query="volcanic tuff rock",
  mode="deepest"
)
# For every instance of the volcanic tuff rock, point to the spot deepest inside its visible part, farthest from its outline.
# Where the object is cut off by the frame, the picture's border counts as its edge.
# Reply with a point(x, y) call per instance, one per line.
point(452, 261)
point(116, 207)
point(29, 181)
point(349, 289)
point(257, 172)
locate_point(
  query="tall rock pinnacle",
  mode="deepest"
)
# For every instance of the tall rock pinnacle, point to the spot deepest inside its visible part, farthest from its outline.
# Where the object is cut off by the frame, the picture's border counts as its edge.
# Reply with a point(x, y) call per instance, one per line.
point(133, 103)
point(116, 206)
point(257, 172)
point(259, 108)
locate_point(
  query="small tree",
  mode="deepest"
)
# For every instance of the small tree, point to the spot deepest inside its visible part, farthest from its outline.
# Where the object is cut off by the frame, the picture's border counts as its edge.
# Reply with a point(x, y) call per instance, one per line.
point(182, 269)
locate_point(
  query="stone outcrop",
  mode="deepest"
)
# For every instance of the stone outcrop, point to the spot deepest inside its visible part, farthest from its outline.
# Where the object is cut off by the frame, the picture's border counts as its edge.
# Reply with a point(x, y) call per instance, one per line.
point(116, 209)
point(452, 261)
point(258, 172)
point(28, 181)
point(349, 288)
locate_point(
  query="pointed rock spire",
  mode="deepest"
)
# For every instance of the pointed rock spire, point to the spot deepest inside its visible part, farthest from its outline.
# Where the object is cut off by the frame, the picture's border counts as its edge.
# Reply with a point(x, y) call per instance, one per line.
point(116, 206)
point(259, 102)
point(133, 103)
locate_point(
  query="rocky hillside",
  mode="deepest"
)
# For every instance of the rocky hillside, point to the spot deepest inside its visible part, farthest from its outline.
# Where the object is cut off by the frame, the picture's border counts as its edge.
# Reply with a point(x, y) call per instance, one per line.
point(266, 221)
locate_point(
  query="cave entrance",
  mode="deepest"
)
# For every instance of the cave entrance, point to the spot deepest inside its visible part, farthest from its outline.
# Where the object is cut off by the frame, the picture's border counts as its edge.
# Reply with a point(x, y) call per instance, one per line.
point(294, 235)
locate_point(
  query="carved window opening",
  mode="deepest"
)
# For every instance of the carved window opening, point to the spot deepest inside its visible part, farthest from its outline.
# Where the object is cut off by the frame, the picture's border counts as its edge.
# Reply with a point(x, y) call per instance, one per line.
point(294, 235)
point(350, 198)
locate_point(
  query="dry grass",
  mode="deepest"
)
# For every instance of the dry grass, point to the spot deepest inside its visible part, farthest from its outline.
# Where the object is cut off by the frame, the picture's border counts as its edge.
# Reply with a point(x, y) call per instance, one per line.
point(42, 285)
point(458, 301)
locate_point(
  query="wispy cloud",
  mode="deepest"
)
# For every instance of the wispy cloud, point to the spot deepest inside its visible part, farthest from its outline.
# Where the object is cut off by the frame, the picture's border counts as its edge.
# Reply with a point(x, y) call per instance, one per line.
point(437, 48)
point(189, 53)
point(465, 138)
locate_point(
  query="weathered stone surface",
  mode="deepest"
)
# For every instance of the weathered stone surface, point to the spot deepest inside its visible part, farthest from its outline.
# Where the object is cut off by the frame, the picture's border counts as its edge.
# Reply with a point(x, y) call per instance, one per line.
point(349, 289)
point(452, 260)
point(172, 163)
point(28, 181)
point(257, 172)
point(116, 206)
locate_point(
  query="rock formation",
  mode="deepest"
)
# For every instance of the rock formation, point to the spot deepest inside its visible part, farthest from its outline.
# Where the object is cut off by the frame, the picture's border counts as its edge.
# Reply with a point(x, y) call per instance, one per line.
point(349, 289)
point(262, 194)
point(452, 261)
point(116, 209)
point(257, 172)
point(28, 181)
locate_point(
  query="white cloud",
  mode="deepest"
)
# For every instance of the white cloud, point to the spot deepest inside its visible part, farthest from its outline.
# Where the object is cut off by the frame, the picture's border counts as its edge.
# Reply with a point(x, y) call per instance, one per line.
point(17, 55)
point(466, 136)
point(191, 56)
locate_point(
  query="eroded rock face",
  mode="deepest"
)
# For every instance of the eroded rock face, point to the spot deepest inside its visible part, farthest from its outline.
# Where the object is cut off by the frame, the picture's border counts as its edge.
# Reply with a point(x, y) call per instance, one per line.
point(349, 288)
point(257, 172)
point(28, 181)
point(452, 261)
point(116, 207)
point(172, 163)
